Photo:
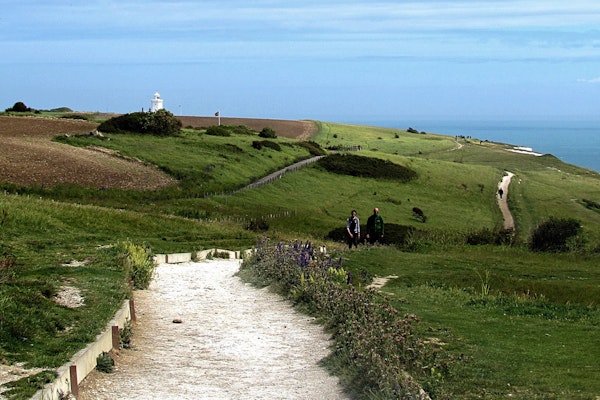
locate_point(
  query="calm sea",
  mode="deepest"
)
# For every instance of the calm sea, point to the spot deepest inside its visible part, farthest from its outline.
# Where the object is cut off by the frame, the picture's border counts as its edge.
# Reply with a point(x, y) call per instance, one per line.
point(574, 142)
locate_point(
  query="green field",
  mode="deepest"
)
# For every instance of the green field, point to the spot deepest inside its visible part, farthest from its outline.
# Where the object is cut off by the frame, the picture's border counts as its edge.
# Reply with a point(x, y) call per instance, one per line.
point(516, 323)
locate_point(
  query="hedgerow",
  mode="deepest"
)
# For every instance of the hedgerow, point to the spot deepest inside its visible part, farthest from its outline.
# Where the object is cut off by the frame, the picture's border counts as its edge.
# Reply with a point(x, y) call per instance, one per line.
point(376, 348)
point(160, 123)
point(366, 167)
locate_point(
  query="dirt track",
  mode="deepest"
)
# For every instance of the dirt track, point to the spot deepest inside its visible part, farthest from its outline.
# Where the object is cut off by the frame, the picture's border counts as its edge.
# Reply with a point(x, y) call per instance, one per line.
point(234, 342)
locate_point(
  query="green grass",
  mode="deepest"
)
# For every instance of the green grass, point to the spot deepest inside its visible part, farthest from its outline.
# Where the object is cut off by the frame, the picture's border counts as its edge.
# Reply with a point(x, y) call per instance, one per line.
point(203, 163)
point(519, 324)
point(530, 337)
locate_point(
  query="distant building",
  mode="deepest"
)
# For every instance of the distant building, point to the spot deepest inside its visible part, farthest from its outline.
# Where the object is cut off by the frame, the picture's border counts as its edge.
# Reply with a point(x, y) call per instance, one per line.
point(156, 103)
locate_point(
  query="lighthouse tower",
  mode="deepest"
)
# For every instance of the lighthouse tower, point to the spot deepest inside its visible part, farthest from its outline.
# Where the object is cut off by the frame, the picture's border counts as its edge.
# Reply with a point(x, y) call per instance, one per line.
point(156, 103)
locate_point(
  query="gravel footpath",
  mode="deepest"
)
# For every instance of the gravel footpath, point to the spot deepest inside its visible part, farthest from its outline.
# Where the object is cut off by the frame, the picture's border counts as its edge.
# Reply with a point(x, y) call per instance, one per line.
point(234, 342)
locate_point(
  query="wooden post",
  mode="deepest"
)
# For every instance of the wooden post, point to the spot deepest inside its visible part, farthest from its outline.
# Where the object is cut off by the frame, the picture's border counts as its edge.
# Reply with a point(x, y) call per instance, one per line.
point(132, 310)
point(74, 384)
point(116, 339)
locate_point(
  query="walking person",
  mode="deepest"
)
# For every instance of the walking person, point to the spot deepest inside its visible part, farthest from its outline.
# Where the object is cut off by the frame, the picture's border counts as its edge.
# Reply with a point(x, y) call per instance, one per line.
point(375, 227)
point(353, 229)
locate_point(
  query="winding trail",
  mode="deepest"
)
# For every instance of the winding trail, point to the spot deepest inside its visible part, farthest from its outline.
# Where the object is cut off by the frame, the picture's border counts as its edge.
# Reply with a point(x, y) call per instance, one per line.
point(233, 342)
point(503, 185)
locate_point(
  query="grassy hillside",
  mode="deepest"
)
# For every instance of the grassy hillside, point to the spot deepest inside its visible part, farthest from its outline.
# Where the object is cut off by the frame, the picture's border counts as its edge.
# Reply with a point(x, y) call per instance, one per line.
point(516, 323)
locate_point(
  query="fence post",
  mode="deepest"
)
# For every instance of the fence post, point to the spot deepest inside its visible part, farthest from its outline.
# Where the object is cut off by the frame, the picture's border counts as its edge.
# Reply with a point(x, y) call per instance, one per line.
point(74, 384)
point(132, 310)
point(115, 337)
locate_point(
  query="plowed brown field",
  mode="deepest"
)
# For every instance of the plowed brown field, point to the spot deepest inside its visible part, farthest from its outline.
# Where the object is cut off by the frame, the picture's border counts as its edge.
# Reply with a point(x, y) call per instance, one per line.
point(29, 157)
point(301, 130)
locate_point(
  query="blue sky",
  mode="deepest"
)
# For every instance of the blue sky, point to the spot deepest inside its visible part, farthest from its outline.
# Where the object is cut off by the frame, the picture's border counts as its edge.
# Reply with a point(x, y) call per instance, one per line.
point(327, 60)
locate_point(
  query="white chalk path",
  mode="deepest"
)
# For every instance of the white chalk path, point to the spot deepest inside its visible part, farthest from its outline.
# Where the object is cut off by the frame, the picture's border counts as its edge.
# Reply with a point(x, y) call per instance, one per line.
point(234, 342)
point(509, 222)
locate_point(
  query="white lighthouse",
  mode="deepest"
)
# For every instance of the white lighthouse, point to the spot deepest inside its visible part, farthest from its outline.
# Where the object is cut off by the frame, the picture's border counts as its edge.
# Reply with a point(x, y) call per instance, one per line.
point(156, 103)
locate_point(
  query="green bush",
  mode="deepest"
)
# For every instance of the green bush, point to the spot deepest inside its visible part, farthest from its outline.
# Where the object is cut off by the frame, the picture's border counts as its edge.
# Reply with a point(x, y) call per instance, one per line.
point(258, 225)
point(218, 130)
point(125, 335)
point(105, 363)
point(259, 144)
point(554, 234)
point(490, 236)
point(139, 264)
point(267, 133)
point(160, 123)
point(19, 106)
point(366, 167)
point(313, 148)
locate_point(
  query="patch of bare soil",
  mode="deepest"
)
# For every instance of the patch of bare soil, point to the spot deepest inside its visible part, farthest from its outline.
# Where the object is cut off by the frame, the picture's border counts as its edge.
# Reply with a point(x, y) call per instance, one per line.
point(29, 157)
point(301, 130)
point(202, 333)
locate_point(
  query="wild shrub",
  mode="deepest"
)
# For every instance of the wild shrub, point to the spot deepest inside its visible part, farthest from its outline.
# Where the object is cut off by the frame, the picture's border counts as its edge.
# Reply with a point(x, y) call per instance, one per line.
point(105, 363)
point(219, 254)
point(160, 123)
point(19, 106)
point(553, 234)
point(258, 225)
point(267, 133)
point(139, 264)
point(242, 130)
point(374, 343)
point(313, 148)
point(259, 144)
point(125, 335)
point(218, 130)
point(366, 167)
point(490, 236)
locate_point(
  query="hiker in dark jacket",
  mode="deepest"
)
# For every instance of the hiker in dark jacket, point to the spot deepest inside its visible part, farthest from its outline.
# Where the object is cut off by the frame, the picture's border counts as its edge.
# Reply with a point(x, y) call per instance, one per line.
point(375, 228)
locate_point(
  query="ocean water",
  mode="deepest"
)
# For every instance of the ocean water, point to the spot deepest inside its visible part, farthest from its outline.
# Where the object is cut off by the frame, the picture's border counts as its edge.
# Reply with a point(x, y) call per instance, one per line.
point(574, 142)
